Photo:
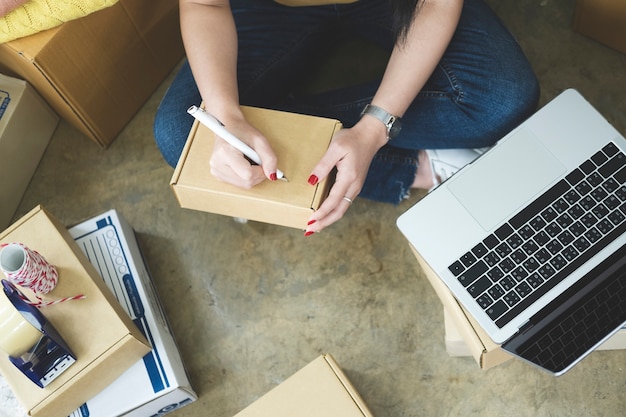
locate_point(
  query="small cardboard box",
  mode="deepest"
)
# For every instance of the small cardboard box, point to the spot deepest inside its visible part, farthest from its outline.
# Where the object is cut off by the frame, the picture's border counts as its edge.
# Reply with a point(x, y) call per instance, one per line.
point(320, 389)
point(97, 71)
point(26, 126)
point(603, 21)
point(299, 142)
point(158, 382)
point(100, 333)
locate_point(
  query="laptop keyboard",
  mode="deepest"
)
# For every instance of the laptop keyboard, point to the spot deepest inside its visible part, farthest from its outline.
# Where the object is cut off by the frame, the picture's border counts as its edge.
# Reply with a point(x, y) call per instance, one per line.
point(549, 239)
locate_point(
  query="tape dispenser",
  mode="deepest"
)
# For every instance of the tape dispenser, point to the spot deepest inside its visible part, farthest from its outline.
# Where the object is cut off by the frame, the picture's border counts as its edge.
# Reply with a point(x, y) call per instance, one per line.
point(34, 346)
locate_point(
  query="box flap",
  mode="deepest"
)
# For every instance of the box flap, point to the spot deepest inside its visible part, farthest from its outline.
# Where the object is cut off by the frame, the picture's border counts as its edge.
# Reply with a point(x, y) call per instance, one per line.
point(314, 391)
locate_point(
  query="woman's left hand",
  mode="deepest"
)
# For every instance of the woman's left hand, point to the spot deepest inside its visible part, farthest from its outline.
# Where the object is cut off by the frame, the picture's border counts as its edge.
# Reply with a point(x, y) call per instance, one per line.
point(351, 152)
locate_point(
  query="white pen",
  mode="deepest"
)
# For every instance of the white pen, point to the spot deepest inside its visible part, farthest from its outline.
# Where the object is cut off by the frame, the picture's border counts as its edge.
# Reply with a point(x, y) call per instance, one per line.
point(219, 129)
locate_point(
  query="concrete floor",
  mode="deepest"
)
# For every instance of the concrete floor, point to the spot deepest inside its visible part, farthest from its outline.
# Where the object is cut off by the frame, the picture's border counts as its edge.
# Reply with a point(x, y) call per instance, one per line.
point(250, 304)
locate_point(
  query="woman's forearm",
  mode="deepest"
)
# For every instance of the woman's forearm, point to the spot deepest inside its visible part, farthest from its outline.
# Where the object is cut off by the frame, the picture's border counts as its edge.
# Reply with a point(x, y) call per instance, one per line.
point(210, 40)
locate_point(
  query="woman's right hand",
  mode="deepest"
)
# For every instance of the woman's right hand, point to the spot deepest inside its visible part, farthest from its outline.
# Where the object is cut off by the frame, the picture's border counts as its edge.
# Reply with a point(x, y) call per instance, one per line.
point(229, 165)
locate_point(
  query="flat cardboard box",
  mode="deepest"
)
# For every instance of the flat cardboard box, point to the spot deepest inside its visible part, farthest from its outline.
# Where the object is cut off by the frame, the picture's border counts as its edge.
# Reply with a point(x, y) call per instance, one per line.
point(299, 142)
point(26, 126)
point(97, 71)
point(158, 382)
point(486, 353)
point(104, 339)
point(320, 389)
point(603, 21)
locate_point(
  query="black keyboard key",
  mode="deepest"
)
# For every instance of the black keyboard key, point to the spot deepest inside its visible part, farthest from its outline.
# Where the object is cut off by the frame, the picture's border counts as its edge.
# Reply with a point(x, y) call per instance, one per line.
point(503, 250)
point(479, 250)
point(620, 176)
point(599, 158)
point(484, 301)
point(575, 177)
point(496, 292)
point(497, 310)
point(491, 259)
point(507, 283)
point(511, 298)
point(610, 149)
point(479, 286)
point(588, 167)
point(541, 238)
point(491, 241)
point(504, 231)
point(542, 256)
point(583, 188)
point(468, 259)
point(456, 268)
point(472, 274)
point(614, 164)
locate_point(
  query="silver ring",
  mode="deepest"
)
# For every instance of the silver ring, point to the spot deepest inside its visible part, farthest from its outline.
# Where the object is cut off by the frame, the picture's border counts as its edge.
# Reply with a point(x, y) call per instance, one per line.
point(348, 199)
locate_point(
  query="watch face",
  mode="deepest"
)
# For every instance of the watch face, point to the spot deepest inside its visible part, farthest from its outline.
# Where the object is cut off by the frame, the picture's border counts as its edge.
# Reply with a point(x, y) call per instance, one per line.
point(395, 129)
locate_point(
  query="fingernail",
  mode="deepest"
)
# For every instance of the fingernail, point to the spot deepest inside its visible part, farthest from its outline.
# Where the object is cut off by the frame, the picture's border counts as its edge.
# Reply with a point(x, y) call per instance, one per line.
point(309, 233)
point(311, 222)
point(273, 176)
point(313, 179)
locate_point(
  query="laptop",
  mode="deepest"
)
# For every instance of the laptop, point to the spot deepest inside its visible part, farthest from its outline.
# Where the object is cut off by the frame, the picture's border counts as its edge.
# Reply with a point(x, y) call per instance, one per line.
point(529, 237)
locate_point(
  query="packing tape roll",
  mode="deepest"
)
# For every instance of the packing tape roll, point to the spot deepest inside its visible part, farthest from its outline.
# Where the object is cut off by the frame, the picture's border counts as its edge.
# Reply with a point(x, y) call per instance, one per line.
point(16, 334)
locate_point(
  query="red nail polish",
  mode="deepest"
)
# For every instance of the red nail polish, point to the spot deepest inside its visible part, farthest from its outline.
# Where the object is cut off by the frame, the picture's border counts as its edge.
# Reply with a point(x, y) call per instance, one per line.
point(311, 222)
point(309, 233)
point(313, 179)
point(273, 176)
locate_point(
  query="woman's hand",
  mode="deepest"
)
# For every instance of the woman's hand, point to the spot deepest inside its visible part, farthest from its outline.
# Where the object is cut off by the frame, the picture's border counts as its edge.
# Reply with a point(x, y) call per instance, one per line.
point(351, 151)
point(229, 165)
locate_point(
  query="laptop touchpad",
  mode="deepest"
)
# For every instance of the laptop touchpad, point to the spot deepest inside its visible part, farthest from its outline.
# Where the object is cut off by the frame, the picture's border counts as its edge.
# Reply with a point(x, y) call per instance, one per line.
point(504, 179)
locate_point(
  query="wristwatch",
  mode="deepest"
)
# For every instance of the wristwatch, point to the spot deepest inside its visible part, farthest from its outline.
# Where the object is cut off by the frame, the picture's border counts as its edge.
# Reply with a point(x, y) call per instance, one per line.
point(389, 120)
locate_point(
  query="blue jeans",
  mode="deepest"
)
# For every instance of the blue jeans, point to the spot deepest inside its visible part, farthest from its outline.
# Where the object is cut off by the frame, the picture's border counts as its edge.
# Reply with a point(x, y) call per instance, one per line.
point(482, 88)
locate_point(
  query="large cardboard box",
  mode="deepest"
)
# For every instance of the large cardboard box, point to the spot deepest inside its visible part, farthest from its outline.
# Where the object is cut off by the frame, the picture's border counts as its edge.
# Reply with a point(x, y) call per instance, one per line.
point(299, 142)
point(158, 382)
point(603, 21)
point(319, 389)
point(26, 126)
point(100, 333)
point(97, 71)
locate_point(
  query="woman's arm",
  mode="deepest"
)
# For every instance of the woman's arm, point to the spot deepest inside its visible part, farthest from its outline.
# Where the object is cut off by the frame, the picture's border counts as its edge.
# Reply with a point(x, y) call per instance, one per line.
point(210, 39)
point(411, 63)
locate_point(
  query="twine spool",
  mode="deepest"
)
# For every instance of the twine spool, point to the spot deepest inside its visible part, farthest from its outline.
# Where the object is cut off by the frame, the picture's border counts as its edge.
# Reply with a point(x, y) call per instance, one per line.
point(27, 268)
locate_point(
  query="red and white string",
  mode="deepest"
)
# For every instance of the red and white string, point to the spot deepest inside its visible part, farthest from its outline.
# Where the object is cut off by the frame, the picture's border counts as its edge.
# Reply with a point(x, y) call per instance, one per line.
point(37, 274)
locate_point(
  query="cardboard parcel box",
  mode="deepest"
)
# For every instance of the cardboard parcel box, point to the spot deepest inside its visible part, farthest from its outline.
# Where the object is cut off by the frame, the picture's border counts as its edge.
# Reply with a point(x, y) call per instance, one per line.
point(603, 21)
point(26, 126)
point(158, 382)
point(97, 71)
point(299, 142)
point(100, 333)
point(320, 389)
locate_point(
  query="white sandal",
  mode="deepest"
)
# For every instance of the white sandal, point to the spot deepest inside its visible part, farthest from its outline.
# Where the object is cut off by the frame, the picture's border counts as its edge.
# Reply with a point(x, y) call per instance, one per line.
point(446, 162)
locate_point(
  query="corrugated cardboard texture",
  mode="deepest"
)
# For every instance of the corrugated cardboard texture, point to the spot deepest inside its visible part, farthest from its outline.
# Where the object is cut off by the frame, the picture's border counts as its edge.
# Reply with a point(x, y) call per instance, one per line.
point(100, 333)
point(97, 71)
point(320, 389)
point(25, 130)
point(486, 353)
point(299, 142)
point(602, 20)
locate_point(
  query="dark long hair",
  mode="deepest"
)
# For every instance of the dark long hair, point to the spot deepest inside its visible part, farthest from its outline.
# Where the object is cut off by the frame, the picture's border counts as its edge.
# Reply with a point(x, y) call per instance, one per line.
point(403, 13)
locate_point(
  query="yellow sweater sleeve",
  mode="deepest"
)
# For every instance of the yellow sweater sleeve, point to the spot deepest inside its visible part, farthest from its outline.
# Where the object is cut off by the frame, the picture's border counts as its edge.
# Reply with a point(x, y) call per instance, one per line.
point(37, 15)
